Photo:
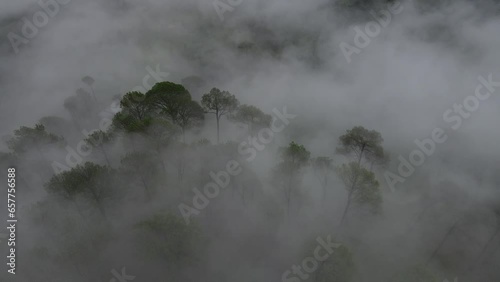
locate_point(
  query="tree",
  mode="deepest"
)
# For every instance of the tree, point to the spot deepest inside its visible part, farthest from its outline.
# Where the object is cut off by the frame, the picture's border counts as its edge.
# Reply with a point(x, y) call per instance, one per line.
point(377, 157)
point(360, 142)
point(190, 114)
point(339, 267)
point(293, 157)
point(90, 181)
point(219, 103)
point(361, 186)
point(323, 166)
point(252, 117)
point(174, 101)
point(26, 138)
point(136, 113)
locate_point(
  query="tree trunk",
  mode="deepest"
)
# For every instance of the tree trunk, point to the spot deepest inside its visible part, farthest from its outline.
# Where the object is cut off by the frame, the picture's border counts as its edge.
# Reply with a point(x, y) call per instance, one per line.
point(349, 200)
point(218, 130)
point(361, 154)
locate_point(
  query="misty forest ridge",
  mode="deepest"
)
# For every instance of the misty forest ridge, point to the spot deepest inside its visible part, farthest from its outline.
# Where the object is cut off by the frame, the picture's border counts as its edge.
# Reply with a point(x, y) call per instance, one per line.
point(250, 140)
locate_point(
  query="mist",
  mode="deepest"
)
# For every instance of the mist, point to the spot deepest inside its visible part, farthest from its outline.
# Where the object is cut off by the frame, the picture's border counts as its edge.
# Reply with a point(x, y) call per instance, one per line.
point(161, 194)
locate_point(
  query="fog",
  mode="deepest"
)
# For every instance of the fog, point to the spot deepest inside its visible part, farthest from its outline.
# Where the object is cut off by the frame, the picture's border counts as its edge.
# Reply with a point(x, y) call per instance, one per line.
point(420, 74)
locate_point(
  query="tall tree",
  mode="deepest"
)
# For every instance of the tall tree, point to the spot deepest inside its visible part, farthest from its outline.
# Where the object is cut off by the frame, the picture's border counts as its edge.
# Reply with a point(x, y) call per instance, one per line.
point(174, 101)
point(136, 113)
point(294, 157)
point(360, 142)
point(219, 103)
point(377, 158)
point(361, 186)
point(252, 117)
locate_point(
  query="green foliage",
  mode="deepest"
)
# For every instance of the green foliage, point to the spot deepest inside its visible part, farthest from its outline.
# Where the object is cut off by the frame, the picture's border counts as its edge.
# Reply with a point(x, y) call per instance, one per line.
point(169, 98)
point(293, 158)
point(91, 181)
point(361, 185)
point(251, 116)
point(136, 113)
point(128, 123)
point(174, 101)
point(26, 138)
point(98, 138)
point(170, 238)
point(415, 274)
point(135, 104)
point(359, 141)
point(295, 155)
point(219, 102)
point(190, 114)
point(287, 172)
point(338, 266)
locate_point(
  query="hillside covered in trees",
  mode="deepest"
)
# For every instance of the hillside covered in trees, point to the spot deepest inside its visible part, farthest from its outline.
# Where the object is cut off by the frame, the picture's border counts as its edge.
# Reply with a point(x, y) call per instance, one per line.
point(224, 141)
